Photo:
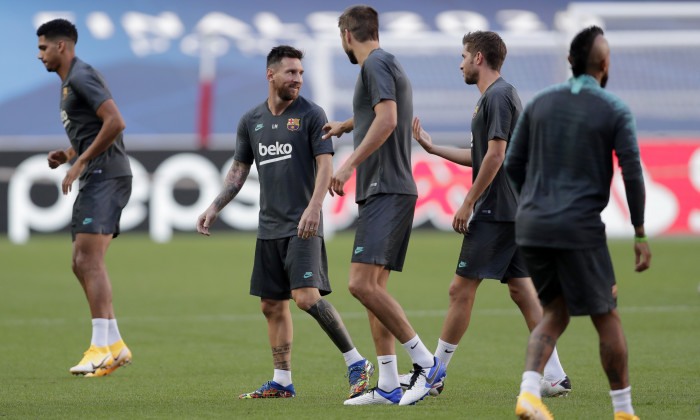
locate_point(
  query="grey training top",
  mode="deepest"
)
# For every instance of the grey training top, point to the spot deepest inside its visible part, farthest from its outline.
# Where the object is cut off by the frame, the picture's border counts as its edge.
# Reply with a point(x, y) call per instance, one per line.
point(560, 161)
point(388, 169)
point(284, 148)
point(82, 93)
point(495, 117)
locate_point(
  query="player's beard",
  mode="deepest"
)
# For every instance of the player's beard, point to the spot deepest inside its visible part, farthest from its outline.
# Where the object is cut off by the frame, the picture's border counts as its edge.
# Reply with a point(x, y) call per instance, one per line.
point(604, 80)
point(287, 93)
point(471, 78)
point(351, 56)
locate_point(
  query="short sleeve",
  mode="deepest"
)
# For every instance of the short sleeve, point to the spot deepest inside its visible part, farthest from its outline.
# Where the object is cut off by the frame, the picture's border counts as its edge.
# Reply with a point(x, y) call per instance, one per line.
point(379, 80)
point(244, 151)
point(91, 87)
point(316, 120)
point(500, 113)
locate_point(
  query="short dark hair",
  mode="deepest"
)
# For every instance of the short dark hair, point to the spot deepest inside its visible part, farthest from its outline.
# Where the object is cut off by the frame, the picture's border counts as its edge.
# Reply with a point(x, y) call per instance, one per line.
point(278, 53)
point(362, 22)
point(581, 47)
point(58, 28)
point(489, 44)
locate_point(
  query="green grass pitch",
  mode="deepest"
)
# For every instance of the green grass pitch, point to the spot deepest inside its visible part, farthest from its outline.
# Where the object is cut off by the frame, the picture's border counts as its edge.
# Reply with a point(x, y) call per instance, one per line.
point(199, 339)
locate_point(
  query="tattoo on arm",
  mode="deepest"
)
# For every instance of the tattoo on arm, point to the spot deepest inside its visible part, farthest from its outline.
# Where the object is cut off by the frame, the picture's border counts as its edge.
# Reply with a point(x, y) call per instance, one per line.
point(235, 178)
point(281, 356)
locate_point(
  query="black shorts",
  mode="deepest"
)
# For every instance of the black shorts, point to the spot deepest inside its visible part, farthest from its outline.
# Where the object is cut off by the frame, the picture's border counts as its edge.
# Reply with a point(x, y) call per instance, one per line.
point(489, 252)
point(99, 205)
point(585, 278)
point(282, 265)
point(383, 230)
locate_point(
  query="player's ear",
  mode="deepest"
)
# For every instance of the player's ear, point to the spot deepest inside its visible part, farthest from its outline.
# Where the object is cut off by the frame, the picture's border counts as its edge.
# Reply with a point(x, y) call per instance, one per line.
point(269, 74)
point(569, 59)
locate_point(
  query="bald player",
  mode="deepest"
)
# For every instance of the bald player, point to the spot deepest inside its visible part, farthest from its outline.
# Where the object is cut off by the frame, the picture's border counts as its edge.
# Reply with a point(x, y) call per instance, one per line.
point(560, 162)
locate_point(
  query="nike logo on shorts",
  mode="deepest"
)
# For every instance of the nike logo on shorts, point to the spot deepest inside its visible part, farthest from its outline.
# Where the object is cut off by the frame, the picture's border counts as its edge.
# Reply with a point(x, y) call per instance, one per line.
point(359, 249)
point(308, 274)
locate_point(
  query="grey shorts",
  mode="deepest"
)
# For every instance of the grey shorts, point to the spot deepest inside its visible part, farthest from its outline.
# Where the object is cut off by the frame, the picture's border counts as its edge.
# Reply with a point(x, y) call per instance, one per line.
point(585, 278)
point(383, 230)
point(282, 265)
point(99, 205)
point(489, 252)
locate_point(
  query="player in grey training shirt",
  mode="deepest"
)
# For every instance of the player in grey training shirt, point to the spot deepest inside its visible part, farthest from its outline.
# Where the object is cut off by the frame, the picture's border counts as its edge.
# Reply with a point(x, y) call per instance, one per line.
point(488, 211)
point(560, 162)
point(283, 137)
point(94, 127)
point(386, 197)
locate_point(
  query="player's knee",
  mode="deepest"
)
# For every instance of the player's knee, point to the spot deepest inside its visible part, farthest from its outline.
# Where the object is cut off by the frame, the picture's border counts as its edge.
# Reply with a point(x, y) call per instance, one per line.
point(304, 301)
point(460, 292)
point(358, 289)
point(271, 308)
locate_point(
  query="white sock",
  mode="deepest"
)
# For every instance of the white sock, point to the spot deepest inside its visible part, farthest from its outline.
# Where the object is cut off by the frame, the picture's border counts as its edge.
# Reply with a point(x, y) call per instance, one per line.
point(100, 328)
point(113, 335)
point(282, 377)
point(531, 383)
point(445, 351)
point(388, 373)
point(622, 400)
point(553, 370)
point(418, 352)
point(352, 356)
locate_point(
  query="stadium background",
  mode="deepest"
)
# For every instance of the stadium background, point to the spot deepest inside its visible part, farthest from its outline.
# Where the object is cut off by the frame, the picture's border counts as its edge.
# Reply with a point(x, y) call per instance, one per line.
point(182, 73)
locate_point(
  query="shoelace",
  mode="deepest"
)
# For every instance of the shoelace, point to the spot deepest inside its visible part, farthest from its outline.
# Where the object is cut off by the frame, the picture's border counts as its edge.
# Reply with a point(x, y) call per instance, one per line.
point(417, 370)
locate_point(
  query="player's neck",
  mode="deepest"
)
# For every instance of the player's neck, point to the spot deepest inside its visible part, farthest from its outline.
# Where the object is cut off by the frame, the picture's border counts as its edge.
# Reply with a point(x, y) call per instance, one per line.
point(364, 49)
point(277, 105)
point(64, 69)
point(486, 79)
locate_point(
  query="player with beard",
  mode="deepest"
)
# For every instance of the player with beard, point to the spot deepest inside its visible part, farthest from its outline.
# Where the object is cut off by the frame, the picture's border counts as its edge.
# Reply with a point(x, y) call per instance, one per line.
point(94, 127)
point(283, 137)
point(486, 217)
point(386, 195)
point(561, 163)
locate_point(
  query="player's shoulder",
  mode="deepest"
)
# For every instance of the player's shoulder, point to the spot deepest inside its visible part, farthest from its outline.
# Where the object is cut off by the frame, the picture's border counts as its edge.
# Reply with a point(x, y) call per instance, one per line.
point(82, 70)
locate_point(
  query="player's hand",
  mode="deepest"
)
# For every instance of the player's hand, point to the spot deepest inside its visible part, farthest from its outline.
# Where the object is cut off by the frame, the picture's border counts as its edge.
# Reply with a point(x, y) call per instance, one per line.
point(422, 136)
point(339, 178)
point(205, 220)
point(333, 128)
point(309, 222)
point(642, 253)
point(57, 158)
point(460, 223)
point(72, 174)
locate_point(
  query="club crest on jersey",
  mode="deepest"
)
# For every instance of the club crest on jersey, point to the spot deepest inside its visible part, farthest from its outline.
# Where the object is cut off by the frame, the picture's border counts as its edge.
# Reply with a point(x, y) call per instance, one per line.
point(475, 111)
point(293, 124)
point(65, 92)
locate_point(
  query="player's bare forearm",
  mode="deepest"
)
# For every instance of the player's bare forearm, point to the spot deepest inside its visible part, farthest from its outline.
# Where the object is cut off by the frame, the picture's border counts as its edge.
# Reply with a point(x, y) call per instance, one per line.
point(459, 156)
point(381, 128)
point(235, 178)
point(324, 172)
point(337, 128)
point(489, 168)
point(311, 218)
point(112, 125)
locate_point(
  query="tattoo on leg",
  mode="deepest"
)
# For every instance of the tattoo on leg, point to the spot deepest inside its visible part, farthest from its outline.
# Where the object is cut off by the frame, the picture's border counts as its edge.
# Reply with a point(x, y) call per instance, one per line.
point(329, 319)
point(614, 364)
point(281, 356)
point(539, 348)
